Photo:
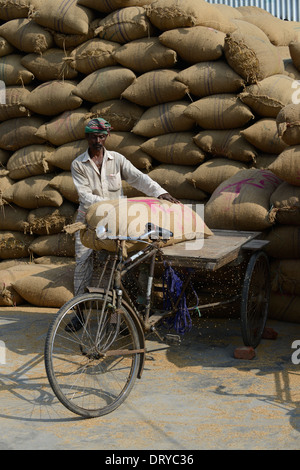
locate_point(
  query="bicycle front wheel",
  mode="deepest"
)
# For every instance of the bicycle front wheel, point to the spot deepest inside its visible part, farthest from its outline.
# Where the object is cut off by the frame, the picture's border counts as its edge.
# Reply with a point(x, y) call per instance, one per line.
point(92, 368)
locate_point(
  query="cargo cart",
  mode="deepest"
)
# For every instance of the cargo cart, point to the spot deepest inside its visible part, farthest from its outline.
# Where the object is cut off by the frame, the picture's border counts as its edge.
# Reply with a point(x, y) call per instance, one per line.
point(92, 367)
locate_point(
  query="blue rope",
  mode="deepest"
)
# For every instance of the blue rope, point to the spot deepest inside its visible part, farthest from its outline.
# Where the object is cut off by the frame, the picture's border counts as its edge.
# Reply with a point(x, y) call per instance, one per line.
point(172, 284)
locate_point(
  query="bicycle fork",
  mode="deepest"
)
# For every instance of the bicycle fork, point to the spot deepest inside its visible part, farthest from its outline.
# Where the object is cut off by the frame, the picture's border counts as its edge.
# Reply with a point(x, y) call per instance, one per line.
point(149, 289)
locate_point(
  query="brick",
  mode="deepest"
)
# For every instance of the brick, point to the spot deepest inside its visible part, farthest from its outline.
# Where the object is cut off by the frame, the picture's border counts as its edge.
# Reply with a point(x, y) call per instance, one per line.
point(245, 352)
point(269, 333)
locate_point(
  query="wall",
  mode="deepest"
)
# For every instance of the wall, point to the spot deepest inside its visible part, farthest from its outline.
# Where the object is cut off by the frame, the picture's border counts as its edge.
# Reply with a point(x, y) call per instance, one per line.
point(284, 9)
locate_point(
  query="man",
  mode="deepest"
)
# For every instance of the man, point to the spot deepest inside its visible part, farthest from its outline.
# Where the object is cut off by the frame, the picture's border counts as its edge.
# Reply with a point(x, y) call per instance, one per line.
point(97, 175)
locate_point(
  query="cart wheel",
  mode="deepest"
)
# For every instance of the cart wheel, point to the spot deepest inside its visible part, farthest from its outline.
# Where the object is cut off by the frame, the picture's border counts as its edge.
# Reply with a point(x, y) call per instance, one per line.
point(255, 299)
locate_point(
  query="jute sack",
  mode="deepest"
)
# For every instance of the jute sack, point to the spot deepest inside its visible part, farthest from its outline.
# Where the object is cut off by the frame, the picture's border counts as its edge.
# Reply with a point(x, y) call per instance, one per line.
point(285, 276)
point(287, 165)
point(14, 9)
point(50, 220)
point(172, 178)
point(6, 184)
point(105, 84)
point(13, 106)
point(51, 288)
point(59, 244)
point(145, 54)
point(13, 72)
point(278, 31)
point(5, 47)
point(67, 127)
point(20, 132)
point(68, 42)
point(284, 307)
point(107, 7)
point(164, 118)
point(210, 174)
point(264, 160)
point(129, 145)
point(290, 69)
point(228, 11)
point(252, 10)
point(124, 25)
point(284, 242)
point(170, 14)
point(9, 263)
point(27, 36)
point(295, 25)
point(176, 148)
point(4, 156)
point(30, 161)
point(8, 295)
point(155, 87)
point(13, 218)
point(33, 192)
point(129, 217)
point(51, 65)
point(52, 98)
point(63, 155)
point(121, 114)
point(210, 78)
point(14, 244)
point(130, 191)
point(251, 57)
point(65, 185)
point(61, 15)
point(286, 204)
point(195, 44)
point(57, 260)
point(221, 111)
point(286, 56)
point(93, 54)
point(264, 136)
point(226, 143)
point(270, 95)
point(294, 48)
point(288, 124)
point(249, 29)
point(242, 202)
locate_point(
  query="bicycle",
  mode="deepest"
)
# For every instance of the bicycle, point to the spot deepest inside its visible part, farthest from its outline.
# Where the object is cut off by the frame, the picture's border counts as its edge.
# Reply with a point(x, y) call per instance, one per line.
point(93, 370)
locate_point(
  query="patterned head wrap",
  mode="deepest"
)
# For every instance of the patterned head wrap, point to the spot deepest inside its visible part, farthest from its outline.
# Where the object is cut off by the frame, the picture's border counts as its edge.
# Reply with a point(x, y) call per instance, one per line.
point(98, 125)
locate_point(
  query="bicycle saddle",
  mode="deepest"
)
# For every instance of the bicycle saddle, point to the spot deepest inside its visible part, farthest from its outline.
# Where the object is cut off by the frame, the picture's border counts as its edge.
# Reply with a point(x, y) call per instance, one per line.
point(158, 232)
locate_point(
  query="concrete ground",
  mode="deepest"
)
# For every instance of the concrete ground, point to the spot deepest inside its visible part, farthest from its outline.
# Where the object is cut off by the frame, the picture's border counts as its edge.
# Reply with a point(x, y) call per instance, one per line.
point(191, 397)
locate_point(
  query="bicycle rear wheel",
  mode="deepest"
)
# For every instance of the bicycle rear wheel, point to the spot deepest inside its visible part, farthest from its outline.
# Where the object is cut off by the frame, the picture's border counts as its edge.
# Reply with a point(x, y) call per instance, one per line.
point(92, 370)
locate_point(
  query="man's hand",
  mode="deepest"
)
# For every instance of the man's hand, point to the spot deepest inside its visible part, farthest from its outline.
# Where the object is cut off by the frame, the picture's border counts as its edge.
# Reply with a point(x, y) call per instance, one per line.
point(168, 197)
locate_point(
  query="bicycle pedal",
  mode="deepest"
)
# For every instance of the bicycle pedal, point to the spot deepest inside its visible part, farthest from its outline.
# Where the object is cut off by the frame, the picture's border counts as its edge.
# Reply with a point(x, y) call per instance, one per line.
point(172, 339)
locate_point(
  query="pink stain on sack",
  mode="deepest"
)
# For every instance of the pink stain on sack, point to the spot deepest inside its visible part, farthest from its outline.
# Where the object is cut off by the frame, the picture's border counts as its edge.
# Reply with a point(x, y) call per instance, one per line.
point(267, 178)
point(232, 191)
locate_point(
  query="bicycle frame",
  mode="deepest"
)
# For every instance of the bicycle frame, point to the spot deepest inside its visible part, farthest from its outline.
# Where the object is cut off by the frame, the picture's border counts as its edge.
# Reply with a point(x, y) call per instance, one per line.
point(123, 266)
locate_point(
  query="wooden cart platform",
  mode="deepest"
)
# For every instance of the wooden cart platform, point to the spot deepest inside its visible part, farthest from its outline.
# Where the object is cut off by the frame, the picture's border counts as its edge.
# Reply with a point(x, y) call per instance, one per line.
point(214, 252)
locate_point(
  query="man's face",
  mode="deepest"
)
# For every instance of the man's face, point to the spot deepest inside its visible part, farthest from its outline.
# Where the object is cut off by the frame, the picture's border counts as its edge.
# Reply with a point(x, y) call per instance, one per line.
point(96, 140)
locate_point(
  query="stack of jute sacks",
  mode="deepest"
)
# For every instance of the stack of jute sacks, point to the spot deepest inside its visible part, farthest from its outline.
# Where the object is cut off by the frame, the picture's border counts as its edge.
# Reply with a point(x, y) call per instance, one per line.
point(191, 89)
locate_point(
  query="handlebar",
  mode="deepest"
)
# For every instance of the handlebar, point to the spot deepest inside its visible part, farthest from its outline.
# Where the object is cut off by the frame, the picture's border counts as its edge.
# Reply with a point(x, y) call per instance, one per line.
point(152, 231)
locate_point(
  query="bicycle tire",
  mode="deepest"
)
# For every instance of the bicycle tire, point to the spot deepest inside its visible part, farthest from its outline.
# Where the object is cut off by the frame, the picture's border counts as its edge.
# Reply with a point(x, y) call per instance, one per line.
point(92, 371)
point(255, 299)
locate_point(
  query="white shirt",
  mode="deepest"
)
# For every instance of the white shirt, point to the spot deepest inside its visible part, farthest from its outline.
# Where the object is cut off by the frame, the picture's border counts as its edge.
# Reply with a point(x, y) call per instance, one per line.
point(94, 186)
